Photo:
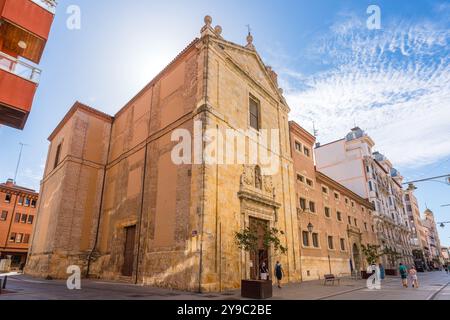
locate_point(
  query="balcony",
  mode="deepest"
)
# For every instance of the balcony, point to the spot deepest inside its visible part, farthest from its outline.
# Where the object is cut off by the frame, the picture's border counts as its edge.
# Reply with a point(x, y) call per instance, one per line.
point(25, 26)
point(18, 83)
point(49, 5)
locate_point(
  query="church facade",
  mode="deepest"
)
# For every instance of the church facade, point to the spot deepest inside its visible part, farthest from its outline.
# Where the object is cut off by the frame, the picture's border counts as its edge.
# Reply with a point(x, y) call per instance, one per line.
point(123, 201)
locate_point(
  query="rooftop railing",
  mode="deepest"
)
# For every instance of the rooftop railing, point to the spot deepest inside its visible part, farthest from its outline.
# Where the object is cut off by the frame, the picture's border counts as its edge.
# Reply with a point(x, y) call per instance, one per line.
point(50, 5)
point(19, 68)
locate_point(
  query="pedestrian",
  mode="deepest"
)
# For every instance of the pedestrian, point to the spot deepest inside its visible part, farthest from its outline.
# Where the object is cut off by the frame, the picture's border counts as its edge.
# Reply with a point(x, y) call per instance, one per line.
point(279, 273)
point(446, 269)
point(382, 271)
point(413, 277)
point(403, 274)
point(264, 271)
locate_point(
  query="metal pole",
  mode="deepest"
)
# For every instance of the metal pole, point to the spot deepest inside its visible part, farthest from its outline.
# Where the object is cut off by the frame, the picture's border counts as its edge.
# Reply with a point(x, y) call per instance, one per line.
point(428, 179)
point(18, 161)
point(329, 263)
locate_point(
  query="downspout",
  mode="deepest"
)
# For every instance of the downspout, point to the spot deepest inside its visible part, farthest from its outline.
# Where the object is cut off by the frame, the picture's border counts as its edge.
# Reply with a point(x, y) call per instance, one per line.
point(141, 213)
point(101, 204)
point(205, 79)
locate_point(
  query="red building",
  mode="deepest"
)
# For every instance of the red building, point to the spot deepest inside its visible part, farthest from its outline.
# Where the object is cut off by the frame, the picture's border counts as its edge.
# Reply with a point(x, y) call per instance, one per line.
point(17, 216)
point(24, 29)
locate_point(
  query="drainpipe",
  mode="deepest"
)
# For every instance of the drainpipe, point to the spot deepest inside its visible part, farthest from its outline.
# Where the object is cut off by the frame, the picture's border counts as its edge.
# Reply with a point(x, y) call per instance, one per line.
point(100, 205)
point(141, 213)
point(204, 118)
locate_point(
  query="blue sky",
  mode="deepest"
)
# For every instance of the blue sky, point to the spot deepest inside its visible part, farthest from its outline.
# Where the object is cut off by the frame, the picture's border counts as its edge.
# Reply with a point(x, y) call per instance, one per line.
point(393, 82)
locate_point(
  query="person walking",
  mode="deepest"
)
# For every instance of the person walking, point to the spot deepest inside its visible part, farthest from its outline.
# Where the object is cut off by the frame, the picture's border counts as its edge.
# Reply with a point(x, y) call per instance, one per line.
point(382, 271)
point(413, 277)
point(264, 272)
point(446, 268)
point(403, 274)
point(279, 273)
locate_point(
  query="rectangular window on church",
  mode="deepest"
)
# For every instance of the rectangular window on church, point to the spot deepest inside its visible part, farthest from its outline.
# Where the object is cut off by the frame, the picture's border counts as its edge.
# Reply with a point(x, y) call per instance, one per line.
point(255, 112)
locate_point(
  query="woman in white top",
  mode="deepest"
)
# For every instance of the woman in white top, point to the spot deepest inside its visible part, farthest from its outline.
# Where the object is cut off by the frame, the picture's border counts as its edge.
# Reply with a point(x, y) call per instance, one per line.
point(413, 276)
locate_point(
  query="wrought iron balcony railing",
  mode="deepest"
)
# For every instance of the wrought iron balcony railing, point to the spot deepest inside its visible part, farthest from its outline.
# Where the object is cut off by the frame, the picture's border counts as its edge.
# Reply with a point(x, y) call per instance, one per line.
point(19, 68)
point(50, 5)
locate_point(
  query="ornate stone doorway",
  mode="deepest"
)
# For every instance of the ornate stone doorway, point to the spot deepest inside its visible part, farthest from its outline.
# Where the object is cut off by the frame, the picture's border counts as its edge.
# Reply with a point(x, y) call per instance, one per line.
point(262, 254)
point(258, 207)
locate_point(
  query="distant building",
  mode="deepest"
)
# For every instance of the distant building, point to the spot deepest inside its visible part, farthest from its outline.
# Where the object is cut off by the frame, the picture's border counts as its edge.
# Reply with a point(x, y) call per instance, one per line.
point(341, 221)
point(445, 255)
point(353, 163)
point(418, 237)
point(434, 257)
point(17, 216)
point(24, 30)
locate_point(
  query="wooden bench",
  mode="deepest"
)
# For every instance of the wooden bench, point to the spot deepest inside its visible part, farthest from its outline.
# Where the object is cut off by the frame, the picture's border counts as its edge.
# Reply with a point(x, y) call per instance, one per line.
point(331, 278)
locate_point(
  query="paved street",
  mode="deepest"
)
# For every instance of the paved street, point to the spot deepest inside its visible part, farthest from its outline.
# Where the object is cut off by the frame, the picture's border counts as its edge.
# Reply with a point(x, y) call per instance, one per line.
point(434, 286)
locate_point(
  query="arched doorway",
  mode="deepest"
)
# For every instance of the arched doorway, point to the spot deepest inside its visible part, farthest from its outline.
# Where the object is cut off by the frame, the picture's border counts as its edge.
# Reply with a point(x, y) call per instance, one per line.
point(356, 257)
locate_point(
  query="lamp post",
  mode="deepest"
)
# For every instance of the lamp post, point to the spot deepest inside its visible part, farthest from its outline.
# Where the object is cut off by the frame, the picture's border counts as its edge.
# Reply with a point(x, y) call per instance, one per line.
point(442, 224)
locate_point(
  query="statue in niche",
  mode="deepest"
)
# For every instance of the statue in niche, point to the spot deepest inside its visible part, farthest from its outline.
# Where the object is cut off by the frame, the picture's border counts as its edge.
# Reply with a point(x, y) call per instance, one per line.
point(258, 178)
point(247, 177)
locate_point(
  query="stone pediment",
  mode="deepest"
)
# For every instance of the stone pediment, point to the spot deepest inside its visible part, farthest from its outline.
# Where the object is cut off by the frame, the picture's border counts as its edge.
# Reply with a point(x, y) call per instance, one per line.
point(250, 63)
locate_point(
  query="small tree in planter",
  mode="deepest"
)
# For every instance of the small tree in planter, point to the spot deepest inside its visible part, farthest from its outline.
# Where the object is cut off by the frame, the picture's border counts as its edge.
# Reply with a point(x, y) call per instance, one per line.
point(248, 240)
point(371, 253)
point(393, 257)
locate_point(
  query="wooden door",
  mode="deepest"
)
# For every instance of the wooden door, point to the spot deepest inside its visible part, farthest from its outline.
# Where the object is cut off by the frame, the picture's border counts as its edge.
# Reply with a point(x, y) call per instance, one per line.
point(128, 261)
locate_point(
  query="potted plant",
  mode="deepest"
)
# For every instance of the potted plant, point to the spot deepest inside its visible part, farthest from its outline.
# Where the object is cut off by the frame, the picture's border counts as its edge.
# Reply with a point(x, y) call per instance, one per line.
point(371, 253)
point(248, 240)
point(393, 257)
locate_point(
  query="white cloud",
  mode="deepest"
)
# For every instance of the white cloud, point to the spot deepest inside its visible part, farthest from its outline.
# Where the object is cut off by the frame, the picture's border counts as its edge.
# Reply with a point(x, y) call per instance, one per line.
point(394, 83)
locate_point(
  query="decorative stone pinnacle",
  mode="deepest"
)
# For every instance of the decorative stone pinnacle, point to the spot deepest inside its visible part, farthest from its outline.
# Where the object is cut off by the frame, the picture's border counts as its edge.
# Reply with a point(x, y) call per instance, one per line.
point(207, 29)
point(208, 21)
point(218, 30)
point(249, 38)
point(250, 42)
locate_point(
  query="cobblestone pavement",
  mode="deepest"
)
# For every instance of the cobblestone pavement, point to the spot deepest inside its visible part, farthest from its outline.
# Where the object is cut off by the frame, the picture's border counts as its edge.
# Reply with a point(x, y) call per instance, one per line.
point(433, 286)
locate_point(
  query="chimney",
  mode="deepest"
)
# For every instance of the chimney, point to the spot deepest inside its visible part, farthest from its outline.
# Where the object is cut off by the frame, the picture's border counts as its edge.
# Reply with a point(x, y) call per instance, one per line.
point(10, 182)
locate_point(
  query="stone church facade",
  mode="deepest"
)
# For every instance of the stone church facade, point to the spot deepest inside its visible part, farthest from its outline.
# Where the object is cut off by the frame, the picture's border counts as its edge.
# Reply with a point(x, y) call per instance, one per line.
point(114, 203)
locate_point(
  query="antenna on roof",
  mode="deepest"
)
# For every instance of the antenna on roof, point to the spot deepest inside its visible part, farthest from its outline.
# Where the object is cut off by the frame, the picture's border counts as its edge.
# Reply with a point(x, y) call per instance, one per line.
point(249, 28)
point(315, 131)
point(316, 134)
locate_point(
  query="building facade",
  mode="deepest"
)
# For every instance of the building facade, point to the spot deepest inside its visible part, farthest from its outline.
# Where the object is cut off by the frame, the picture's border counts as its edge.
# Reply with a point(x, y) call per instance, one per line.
point(115, 203)
point(24, 30)
point(353, 163)
point(418, 236)
point(445, 255)
point(334, 222)
point(433, 255)
point(17, 217)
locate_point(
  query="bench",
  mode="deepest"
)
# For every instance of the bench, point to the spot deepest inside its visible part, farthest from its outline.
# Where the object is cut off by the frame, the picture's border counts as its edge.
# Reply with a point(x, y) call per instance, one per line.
point(331, 278)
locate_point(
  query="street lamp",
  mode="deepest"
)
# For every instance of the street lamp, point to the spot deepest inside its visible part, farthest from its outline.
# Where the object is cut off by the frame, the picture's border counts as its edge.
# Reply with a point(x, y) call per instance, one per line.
point(411, 187)
point(310, 227)
point(442, 224)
